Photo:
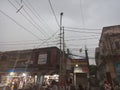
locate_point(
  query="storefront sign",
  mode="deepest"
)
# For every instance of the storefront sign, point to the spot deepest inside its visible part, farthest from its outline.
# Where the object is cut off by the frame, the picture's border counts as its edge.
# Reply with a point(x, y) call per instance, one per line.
point(80, 70)
point(42, 58)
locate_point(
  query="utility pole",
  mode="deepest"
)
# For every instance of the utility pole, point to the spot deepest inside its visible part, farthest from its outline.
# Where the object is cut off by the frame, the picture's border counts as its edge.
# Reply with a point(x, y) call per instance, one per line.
point(64, 62)
point(60, 71)
point(88, 74)
point(64, 59)
point(86, 54)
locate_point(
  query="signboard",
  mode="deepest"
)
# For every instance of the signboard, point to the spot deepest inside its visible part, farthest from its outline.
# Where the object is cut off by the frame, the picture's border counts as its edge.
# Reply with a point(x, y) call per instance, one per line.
point(42, 58)
point(80, 70)
point(117, 68)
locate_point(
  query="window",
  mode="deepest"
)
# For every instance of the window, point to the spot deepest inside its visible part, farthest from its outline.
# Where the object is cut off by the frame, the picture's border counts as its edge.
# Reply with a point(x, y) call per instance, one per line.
point(3, 57)
point(117, 43)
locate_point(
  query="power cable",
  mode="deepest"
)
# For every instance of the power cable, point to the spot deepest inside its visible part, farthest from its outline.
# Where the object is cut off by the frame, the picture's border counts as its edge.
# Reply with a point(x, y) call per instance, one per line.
point(81, 31)
point(25, 41)
point(21, 43)
point(74, 45)
point(90, 57)
point(80, 39)
point(48, 38)
point(32, 18)
point(82, 16)
point(82, 28)
point(83, 36)
point(19, 24)
point(26, 17)
point(54, 13)
point(37, 15)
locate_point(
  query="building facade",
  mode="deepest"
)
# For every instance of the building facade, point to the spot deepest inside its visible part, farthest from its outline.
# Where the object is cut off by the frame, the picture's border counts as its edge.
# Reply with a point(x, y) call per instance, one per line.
point(80, 72)
point(36, 63)
point(108, 54)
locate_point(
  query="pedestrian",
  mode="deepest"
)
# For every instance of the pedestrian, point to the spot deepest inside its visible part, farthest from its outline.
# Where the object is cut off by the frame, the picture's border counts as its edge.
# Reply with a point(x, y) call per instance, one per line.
point(107, 85)
point(7, 88)
point(72, 87)
point(54, 85)
point(80, 87)
point(15, 85)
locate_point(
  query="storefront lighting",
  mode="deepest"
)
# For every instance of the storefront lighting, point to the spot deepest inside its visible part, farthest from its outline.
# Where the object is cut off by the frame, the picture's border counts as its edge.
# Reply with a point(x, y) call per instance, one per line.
point(56, 75)
point(35, 76)
point(24, 74)
point(30, 76)
point(12, 73)
point(76, 65)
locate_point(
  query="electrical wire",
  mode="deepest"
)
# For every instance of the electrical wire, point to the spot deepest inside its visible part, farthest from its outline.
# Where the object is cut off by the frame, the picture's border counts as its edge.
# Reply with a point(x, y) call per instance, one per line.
point(22, 43)
point(82, 16)
point(27, 18)
point(20, 25)
point(41, 20)
point(32, 18)
point(79, 39)
point(48, 38)
point(82, 28)
point(82, 36)
point(25, 41)
point(53, 13)
point(19, 41)
point(81, 31)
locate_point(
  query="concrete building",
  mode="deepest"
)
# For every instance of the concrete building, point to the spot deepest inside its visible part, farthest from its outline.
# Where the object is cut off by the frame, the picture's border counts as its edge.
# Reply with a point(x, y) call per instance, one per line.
point(108, 54)
point(80, 72)
point(36, 63)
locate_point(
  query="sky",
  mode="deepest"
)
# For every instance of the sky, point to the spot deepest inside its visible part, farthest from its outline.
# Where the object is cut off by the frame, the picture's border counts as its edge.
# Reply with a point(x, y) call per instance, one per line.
point(29, 24)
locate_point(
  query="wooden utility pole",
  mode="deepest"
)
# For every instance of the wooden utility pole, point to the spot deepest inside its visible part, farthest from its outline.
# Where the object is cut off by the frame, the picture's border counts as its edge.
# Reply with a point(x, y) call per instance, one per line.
point(64, 62)
point(86, 55)
point(88, 74)
point(60, 67)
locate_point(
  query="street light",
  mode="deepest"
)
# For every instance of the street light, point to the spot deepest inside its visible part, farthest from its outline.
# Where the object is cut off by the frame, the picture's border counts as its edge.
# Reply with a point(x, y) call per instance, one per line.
point(76, 65)
point(24, 74)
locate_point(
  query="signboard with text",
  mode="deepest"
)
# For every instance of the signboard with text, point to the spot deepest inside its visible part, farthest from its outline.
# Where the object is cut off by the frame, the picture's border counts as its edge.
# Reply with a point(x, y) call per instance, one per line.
point(42, 59)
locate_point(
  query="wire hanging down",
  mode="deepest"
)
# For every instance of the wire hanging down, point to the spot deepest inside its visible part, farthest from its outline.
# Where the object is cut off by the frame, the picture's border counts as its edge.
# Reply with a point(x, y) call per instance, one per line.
point(19, 9)
point(30, 21)
point(20, 25)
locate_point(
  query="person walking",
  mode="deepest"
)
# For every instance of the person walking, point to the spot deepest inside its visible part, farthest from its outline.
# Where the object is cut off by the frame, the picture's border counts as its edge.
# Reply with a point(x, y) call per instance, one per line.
point(80, 87)
point(107, 85)
point(15, 85)
point(54, 85)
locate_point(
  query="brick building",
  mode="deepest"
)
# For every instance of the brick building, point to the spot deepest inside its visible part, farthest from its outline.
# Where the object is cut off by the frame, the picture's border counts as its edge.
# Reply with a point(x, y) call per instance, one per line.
point(108, 54)
point(34, 62)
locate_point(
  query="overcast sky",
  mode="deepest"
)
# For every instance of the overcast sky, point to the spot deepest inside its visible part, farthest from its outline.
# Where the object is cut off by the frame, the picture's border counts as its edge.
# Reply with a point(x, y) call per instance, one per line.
point(28, 24)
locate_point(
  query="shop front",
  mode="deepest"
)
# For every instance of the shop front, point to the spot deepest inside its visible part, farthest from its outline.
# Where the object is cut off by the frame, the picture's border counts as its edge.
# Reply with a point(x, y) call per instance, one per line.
point(29, 68)
point(18, 79)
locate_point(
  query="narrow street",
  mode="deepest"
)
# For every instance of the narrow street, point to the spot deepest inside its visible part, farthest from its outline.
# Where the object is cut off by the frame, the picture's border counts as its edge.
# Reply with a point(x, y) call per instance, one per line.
point(59, 45)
